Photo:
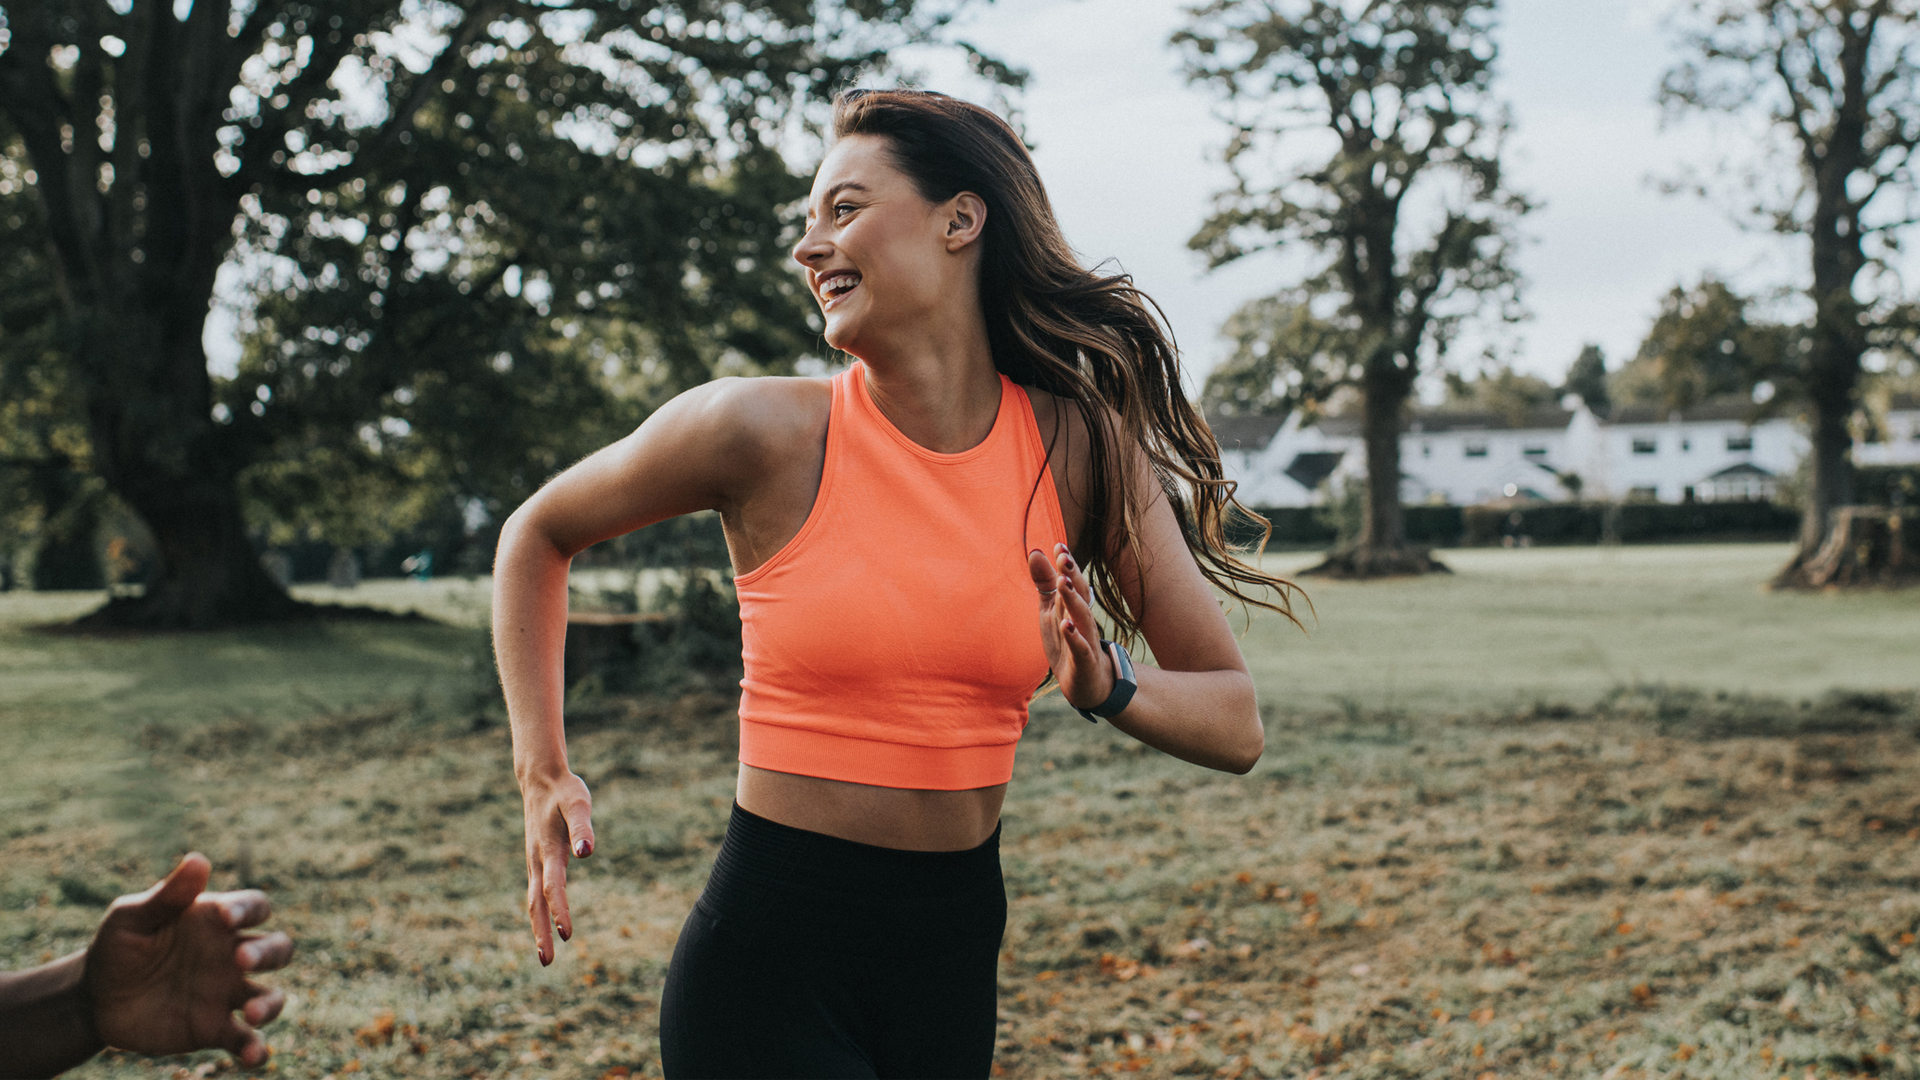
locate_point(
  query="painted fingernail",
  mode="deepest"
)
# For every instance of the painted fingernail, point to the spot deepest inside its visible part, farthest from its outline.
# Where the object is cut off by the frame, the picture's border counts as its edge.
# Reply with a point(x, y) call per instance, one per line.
point(542, 954)
point(566, 933)
point(582, 849)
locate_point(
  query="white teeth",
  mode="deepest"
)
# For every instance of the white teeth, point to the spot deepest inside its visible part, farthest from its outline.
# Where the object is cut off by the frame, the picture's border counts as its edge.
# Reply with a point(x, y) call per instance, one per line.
point(837, 284)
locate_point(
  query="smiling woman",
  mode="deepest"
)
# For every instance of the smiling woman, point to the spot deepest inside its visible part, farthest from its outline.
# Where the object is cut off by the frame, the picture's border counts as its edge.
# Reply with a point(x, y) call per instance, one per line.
point(919, 543)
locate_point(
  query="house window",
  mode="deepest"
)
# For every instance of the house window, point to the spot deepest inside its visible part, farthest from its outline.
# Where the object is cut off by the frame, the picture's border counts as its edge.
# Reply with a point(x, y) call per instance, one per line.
point(1535, 451)
point(1475, 449)
point(1646, 446)
point(1426, 449)
point(1643, 494)
point(1686, 445)
point(1739, 444)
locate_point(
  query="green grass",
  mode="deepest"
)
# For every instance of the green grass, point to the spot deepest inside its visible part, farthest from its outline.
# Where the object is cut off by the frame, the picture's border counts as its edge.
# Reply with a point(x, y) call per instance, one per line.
point(1467, 850)
point(1512, 626)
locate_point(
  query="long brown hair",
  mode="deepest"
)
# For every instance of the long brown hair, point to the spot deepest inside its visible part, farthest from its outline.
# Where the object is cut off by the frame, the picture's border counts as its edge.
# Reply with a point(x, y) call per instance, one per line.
point(1089, 338)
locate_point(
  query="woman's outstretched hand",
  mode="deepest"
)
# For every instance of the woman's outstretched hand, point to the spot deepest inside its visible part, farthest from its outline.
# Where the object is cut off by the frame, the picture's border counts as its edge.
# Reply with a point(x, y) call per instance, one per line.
point(1068, 632)
point(559, 825)
point(169, 966)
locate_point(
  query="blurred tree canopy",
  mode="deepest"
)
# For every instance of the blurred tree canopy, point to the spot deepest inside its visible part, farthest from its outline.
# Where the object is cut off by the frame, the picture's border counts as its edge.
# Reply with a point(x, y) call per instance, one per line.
point(1838, 84)
point(1401, 195)
point(1510, 394)
point(474, 242)
point(1588, 377)
point(1706, 343)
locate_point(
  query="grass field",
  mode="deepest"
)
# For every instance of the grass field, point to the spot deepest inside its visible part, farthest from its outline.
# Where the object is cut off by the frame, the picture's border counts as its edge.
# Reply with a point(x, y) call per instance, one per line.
point(1472, 848)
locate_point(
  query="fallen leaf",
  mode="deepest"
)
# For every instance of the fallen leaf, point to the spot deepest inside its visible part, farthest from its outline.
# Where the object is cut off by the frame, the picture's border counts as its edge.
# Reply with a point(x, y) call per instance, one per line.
point(379, 1032)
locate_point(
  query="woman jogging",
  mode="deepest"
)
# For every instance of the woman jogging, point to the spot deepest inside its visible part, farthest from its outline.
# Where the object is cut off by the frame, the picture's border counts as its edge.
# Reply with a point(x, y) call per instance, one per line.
point(918, 542)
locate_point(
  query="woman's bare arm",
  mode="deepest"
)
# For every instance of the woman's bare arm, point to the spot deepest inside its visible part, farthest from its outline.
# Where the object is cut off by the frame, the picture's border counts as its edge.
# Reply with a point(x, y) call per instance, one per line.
point(1198, 703)
point(711, 448)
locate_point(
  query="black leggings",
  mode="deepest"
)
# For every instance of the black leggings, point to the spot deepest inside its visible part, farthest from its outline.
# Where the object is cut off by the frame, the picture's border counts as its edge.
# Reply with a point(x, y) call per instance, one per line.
point(812, 956)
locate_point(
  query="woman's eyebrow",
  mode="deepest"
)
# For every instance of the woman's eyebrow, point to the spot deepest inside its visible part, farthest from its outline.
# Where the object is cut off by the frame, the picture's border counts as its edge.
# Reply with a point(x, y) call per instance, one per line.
point(844, 185)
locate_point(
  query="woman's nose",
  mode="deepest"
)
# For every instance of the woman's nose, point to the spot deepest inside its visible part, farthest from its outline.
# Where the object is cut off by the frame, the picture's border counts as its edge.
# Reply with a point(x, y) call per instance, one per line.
point(811, 249)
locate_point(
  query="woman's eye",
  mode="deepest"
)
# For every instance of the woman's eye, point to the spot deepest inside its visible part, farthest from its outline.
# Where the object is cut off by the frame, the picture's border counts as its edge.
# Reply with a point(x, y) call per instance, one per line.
point(842, 209)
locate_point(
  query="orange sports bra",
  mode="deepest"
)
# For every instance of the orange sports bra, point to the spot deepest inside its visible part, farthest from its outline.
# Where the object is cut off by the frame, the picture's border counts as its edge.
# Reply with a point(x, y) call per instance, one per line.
point(895, 640)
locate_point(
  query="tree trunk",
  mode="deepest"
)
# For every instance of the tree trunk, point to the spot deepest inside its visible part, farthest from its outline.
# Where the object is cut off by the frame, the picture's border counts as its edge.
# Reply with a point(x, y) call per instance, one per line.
point(149, 402)
point(1381, 549)
point(1867, 546)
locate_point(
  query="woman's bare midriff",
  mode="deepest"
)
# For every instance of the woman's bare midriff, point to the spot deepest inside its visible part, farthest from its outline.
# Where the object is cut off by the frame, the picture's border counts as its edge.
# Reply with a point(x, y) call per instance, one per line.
point(907, 819)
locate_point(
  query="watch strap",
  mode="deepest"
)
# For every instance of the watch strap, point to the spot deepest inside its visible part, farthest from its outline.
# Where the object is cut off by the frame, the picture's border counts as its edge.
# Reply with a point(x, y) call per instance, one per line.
point(1123, 685)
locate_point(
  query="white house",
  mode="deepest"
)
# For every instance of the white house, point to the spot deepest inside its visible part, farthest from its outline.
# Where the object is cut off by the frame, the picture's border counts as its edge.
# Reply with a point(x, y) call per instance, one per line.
point(1902, 444)
point(1715, 452)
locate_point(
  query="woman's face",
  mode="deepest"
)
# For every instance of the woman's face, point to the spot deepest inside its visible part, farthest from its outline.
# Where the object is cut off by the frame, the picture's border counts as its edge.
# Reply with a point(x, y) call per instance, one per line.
point(882, 262)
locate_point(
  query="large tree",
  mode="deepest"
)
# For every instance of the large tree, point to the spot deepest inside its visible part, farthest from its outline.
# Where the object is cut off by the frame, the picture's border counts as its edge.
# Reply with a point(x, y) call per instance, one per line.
point(1391, 107)
point(1838, 84)
point(443, 214)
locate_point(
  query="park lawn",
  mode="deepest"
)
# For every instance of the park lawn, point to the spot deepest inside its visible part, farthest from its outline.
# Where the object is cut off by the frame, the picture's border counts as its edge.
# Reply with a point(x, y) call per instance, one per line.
point(1485, 862)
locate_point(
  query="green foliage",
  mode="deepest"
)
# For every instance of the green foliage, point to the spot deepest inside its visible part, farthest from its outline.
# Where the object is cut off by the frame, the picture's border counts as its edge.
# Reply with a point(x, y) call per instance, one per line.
point(1285, 356)
point(1501, 390)
point(565, 243)
point(1343, 510)
point(1588, 378)
point(43, 445)
point(1706, 344)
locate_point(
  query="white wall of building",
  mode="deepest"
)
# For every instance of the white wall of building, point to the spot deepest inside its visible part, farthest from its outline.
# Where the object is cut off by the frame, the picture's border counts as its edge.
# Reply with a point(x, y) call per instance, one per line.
point(1445, 460)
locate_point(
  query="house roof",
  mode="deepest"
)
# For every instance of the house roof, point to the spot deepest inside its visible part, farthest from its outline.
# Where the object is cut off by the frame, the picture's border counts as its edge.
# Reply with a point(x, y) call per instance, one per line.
point(1244, 432)
point(1543, 419)
point(1741, 411)
point(1445, 420)
point(1310, 467)
point(1745, 468)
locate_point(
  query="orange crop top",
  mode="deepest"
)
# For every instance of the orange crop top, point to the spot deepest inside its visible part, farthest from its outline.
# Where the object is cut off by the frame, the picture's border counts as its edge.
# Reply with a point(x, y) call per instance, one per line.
point(895, 640)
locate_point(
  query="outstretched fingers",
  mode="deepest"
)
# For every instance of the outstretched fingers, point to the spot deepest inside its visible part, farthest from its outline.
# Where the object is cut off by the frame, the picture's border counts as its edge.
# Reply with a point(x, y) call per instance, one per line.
point(160, 906)
point(266, 952)
point(244, 1043)
point(258, 1004)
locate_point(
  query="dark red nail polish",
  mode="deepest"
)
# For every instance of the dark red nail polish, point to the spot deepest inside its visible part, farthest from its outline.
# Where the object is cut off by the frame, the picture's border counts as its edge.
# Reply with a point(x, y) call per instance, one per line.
point(581, 849)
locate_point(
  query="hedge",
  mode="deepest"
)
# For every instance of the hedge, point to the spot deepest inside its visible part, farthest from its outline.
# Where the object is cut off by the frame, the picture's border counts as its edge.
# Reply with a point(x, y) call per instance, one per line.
point(1549, 523)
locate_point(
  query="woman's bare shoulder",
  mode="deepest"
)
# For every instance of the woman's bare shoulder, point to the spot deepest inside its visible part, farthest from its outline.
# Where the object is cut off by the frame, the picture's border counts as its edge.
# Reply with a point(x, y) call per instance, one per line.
point(757, 419)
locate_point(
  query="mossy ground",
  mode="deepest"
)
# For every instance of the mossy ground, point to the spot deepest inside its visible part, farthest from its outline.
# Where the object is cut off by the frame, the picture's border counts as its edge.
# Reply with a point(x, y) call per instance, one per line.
point(1507, 870)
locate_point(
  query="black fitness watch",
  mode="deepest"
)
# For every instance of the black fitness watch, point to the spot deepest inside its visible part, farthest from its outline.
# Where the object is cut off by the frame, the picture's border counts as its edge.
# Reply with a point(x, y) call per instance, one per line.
point(1123, 685)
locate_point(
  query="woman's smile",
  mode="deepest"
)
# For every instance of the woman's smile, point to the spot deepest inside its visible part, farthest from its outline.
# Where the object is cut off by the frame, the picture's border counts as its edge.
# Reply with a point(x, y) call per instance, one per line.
point(834, 287)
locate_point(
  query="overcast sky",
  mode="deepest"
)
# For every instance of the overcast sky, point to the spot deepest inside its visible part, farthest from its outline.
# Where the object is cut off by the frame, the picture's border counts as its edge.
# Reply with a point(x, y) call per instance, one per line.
point(1130, 154)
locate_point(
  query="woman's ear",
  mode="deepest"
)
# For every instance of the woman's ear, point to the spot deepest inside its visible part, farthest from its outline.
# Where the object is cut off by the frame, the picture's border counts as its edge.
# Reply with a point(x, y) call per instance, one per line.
point(966, 215)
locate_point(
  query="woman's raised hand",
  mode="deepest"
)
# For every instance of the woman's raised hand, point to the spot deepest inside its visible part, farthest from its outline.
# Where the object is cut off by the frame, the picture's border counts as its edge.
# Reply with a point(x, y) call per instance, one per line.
point(559, 814)
point(1068, 632)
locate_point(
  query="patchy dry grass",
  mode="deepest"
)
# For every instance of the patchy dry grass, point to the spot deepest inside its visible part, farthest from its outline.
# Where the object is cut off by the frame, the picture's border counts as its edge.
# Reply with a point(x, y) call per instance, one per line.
point(1657, 883)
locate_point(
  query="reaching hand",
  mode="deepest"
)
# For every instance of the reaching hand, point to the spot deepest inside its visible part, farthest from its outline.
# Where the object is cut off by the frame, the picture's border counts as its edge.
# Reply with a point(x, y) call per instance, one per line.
point(559, 817)
point(1068, 632)
point(169, 966)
